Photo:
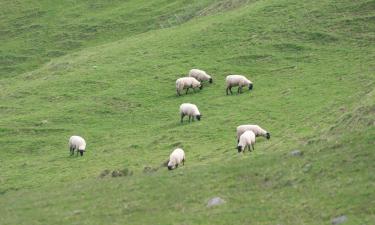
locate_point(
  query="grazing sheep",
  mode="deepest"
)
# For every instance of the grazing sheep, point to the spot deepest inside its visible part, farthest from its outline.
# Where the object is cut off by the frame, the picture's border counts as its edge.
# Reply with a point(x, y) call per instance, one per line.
point(176, 157)
point(200, 75)
point(77, 143)
point(186, 83)
point(247, 139)
point(191, 110)
point(237, 80)
point(258, 131)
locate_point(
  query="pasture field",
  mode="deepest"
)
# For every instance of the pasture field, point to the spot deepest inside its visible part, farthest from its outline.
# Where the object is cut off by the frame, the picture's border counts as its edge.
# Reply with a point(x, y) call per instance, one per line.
point(106, 70)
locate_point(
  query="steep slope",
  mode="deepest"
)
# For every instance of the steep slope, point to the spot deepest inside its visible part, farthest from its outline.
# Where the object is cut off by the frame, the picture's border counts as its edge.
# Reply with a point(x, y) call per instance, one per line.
point(312, 64)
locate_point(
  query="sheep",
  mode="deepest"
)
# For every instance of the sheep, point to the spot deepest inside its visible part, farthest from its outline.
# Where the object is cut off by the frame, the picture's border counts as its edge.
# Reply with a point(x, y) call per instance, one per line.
point(77, 143)
point(237, 80)
point(191, 110)
point(258, 131)
point(176, 157)
point(247, 139)
point(200, 75)
point(186, 83)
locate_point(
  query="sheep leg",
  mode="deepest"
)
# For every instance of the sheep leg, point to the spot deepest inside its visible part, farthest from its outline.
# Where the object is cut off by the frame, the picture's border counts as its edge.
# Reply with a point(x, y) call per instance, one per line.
point(182, 118)
point(71, 151)
point(187, 90)
point(77, 152)
point(189, 118)
point(230, 89)
point(239, 90)
point(253, 147)
point(178, 93)
point(249, 147)
point(183, 162)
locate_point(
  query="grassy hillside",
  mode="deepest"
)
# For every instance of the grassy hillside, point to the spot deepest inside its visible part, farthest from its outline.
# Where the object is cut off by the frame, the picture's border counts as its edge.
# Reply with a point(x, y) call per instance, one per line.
point(34, 32)
point(106, 70)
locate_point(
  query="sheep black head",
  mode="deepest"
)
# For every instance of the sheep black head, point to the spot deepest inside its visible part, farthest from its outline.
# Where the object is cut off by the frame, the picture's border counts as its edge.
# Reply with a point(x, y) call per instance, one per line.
point(239, 149)
point(198, 117)
point(170, 165)
point(210, 80)
point(268, 135)
point(81, 152)
point(201, 86)
point(250, 87)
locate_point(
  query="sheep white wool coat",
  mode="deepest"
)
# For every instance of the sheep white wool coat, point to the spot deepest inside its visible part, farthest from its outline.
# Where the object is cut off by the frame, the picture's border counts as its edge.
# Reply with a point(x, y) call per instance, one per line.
point(237, 80)
point(176, 158)
point(77, 143)
point(200, 75)
point(189, 109)
point(186, 83)
point(247, 139)
point(258, 131)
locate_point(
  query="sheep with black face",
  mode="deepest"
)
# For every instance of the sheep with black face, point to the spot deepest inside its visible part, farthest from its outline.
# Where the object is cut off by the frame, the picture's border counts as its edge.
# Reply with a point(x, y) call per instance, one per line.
point(237, 80)
point(186, 83)
point(191, 110)
point(77, 143)
point(176, 158)
point(258, 131)
point(200, 75)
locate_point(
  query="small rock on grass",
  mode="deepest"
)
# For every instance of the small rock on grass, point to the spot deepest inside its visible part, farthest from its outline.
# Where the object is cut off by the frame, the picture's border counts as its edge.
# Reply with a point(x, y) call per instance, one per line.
point(339, 220)
point(215, 201)
point(296, 153)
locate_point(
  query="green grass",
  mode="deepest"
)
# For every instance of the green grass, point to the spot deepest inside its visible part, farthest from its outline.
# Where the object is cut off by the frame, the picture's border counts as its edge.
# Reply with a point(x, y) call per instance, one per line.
point(106, 70)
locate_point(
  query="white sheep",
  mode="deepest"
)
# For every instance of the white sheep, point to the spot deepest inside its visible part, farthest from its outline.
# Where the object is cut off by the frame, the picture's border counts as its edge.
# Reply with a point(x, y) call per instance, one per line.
point(237, 80)
point(247, 139)
point(186, 83)
point(77, 143)
point(191, 110)
point(177, 157)
point(200, 75)
point(258, 131)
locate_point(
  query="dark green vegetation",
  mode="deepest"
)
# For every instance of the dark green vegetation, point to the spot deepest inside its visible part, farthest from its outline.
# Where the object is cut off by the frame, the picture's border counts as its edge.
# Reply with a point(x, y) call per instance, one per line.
point(106, 70)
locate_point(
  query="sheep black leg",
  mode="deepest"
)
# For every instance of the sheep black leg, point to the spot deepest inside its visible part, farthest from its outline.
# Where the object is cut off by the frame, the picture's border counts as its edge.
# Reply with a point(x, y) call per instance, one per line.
point(253, 147)
point(230, 89)
point(71, 151)
point(187, 90)
point(183, 162)
point(239, 90)
point(182, 118)
point(189, 118)
point(249, 148)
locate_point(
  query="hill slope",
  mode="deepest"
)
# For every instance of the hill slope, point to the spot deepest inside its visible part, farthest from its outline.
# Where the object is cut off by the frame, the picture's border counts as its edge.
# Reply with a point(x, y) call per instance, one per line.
point(312, 64)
